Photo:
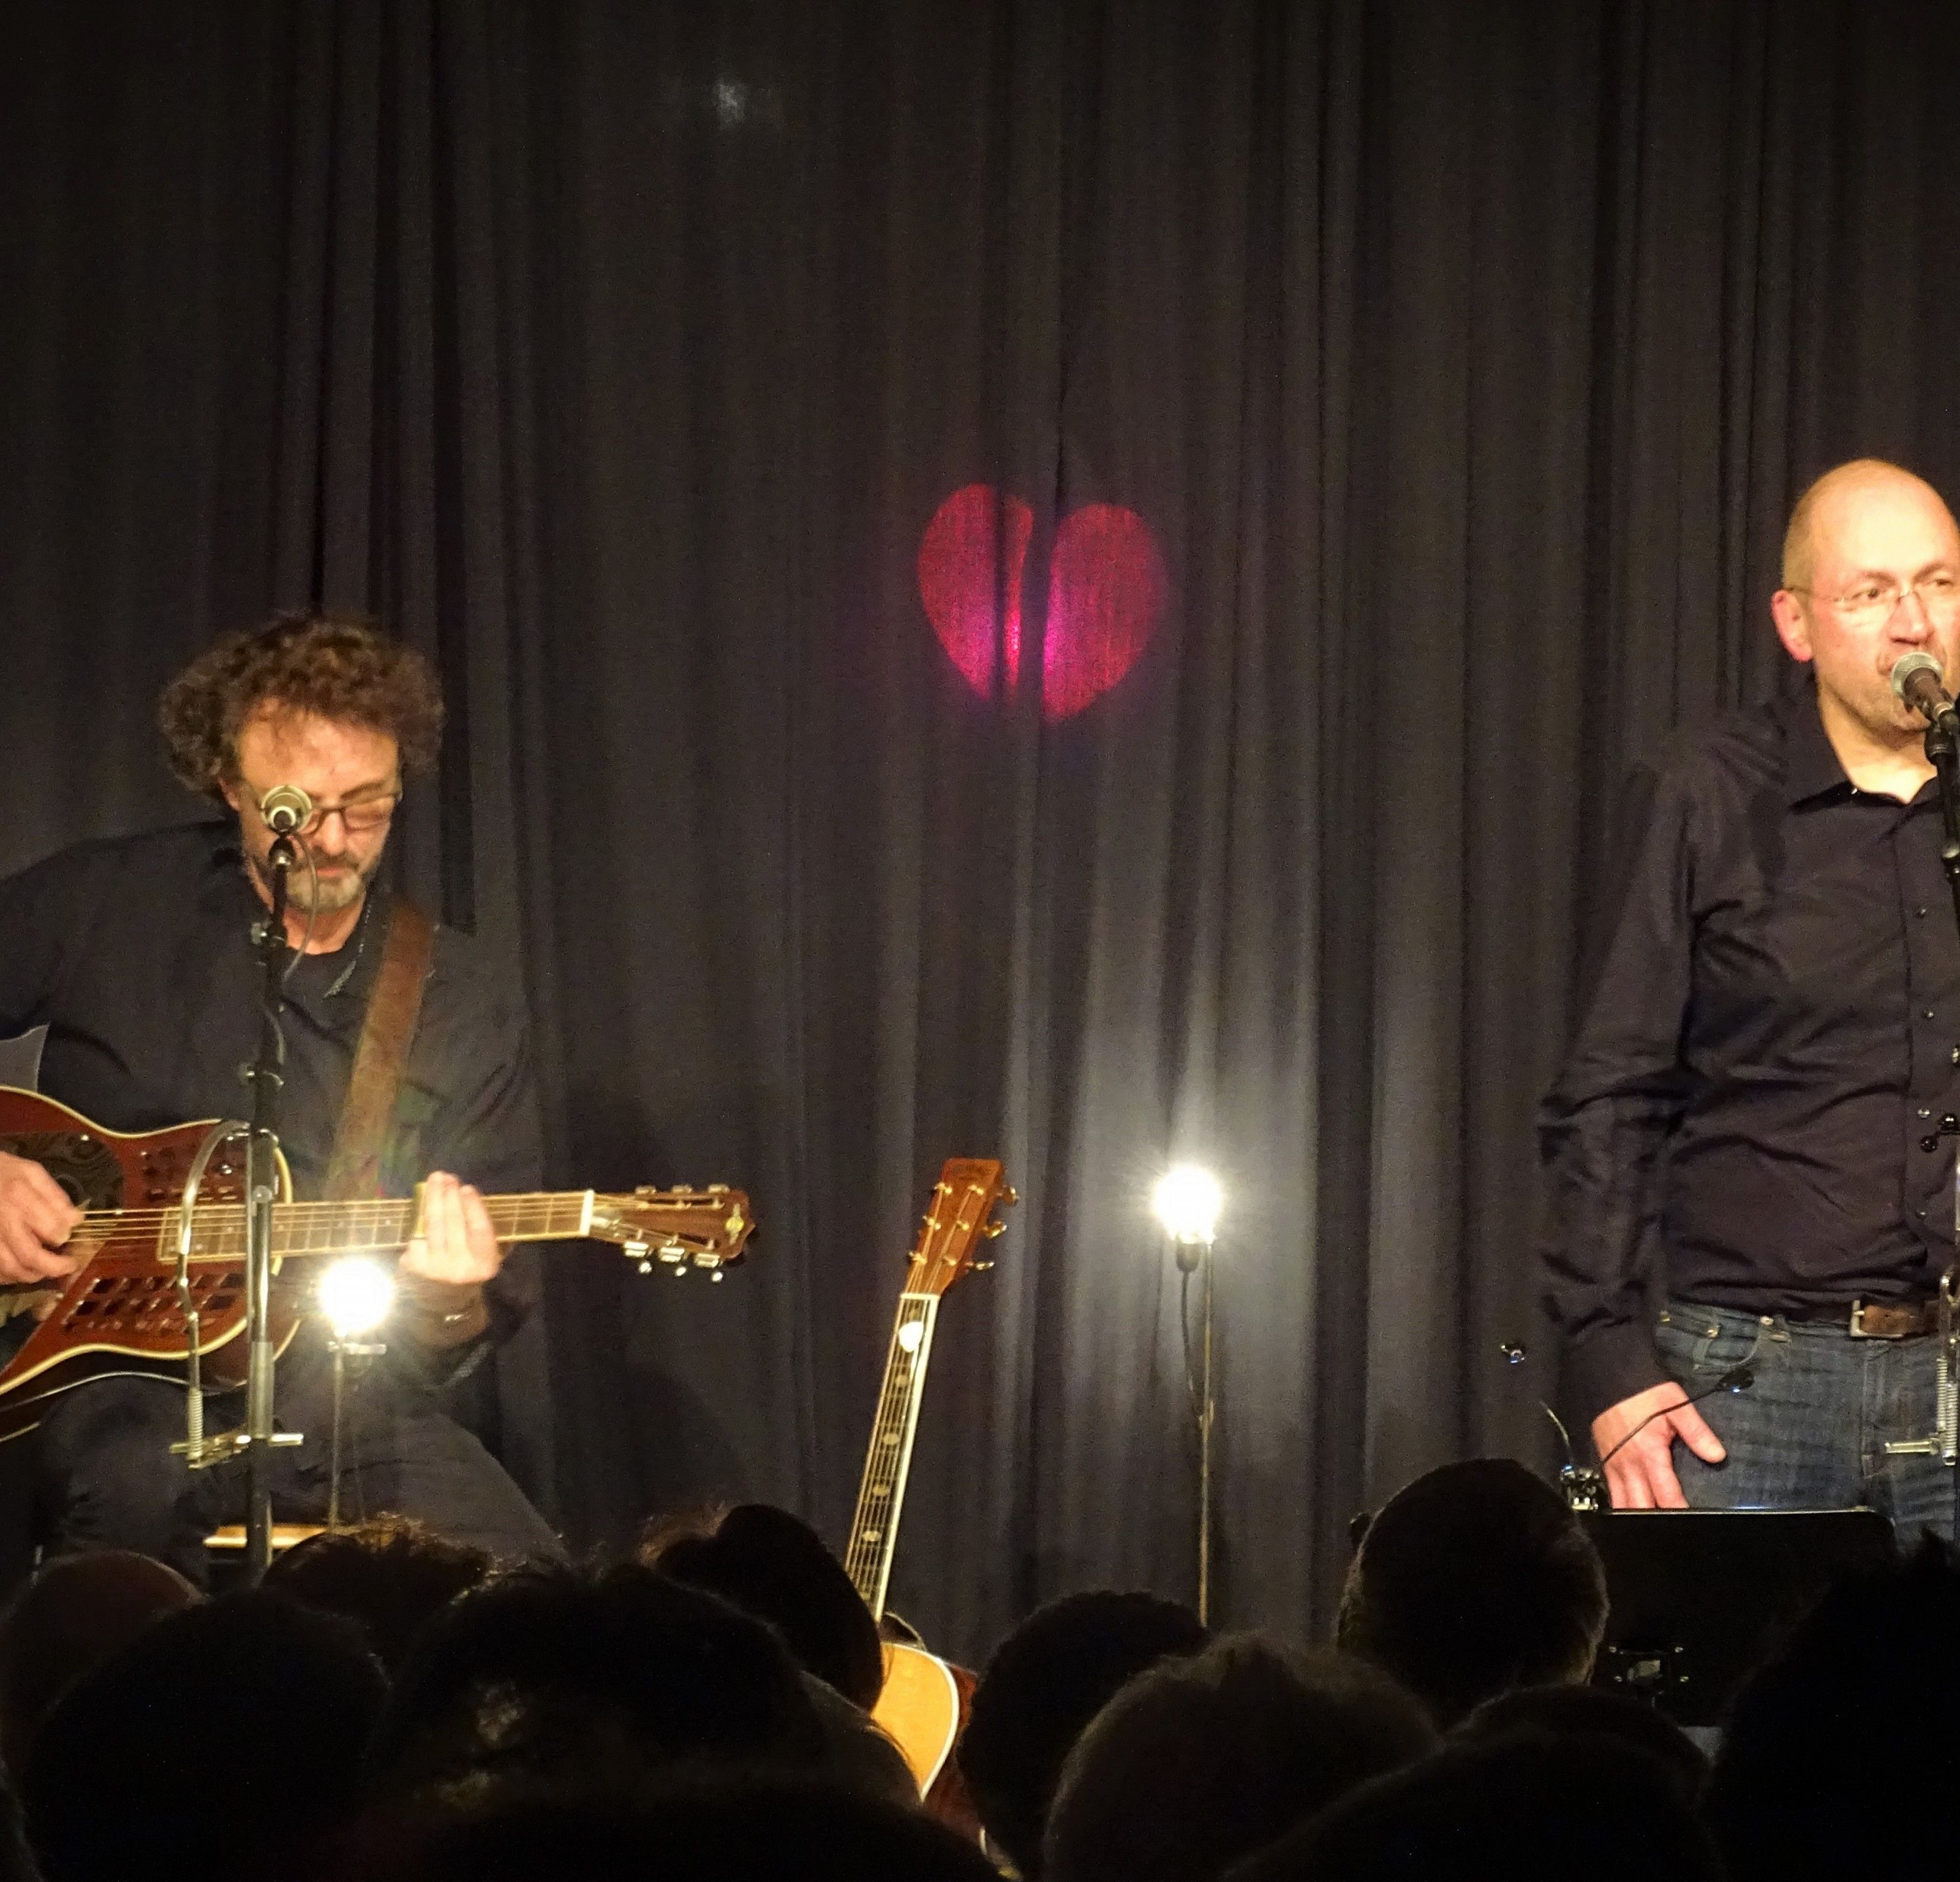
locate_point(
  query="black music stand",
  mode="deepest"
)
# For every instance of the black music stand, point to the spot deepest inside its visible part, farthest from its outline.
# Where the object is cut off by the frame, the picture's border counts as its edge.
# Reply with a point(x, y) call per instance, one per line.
point(1700, 1598)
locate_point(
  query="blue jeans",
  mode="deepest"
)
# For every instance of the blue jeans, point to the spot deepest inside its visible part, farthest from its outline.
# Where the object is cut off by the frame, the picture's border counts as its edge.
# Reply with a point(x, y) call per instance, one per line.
point(1810, 1432)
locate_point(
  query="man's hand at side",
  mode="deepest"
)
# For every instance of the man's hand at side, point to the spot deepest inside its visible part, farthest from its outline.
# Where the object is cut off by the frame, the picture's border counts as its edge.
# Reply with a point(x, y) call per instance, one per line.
point(457, 1245)
point(35, 1218)
point(1641, 1476)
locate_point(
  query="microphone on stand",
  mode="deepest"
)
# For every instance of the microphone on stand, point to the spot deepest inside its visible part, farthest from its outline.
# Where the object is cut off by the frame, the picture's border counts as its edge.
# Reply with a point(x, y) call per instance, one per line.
point(1918, 680)
point(286, 806)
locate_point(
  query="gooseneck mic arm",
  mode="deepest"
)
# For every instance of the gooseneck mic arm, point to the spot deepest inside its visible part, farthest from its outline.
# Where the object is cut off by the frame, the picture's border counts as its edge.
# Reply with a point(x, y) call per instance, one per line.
point(1917, 679)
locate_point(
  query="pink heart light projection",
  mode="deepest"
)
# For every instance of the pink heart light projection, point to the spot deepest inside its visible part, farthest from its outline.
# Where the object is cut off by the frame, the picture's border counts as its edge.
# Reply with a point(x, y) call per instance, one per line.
point(1106, 590)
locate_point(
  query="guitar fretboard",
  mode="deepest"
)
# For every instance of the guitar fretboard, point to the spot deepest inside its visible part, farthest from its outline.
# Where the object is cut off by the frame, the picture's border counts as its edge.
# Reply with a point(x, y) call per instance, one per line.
point(217, 1229)
point(868, 1559)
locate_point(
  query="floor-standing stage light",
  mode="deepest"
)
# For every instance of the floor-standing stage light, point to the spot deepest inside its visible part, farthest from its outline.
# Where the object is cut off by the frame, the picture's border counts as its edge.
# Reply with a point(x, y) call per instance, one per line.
point(355, 1294)
point(1187, 1201)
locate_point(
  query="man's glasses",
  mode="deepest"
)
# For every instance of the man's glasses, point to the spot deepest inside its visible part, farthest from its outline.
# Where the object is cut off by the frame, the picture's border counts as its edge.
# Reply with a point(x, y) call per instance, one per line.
point(1871, 603)
point(363, 814)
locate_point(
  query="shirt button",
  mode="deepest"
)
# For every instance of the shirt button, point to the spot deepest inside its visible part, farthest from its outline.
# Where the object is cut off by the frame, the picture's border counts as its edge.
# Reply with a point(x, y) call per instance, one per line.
point(1924, 1112)
point(1921, 913)
point(1929, 1012)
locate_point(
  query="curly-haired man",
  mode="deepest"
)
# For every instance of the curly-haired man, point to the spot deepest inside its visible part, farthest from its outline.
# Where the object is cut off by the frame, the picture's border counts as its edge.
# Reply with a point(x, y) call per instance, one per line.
point(135, 953)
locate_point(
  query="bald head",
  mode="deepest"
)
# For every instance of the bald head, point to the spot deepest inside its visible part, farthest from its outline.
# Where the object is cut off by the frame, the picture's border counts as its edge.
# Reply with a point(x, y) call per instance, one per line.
point(1822, 506)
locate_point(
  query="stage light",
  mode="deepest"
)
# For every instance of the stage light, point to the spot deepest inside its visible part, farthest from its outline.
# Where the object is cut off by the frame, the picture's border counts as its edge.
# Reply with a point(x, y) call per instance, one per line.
point(355, 1293)
point(1187, 1201)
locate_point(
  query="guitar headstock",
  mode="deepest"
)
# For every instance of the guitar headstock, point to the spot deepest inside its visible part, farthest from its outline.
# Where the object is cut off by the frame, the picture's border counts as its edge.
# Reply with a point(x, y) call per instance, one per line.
point(680, 1228)
point(959, 1217)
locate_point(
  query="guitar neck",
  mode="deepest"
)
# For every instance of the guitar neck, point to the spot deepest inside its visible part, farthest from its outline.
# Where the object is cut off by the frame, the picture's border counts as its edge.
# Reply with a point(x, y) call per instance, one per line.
point(217, 1230)
point(874, 1528)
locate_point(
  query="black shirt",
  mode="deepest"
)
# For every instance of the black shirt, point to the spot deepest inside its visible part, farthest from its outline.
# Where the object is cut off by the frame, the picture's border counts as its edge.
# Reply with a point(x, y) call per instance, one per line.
point(135, 953)
point(1767, 1043)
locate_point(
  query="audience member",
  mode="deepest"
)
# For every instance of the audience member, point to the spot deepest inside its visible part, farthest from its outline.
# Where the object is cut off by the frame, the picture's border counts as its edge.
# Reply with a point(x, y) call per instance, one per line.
point(1046, 1682)
point(223, 1741)
point(1474, 1580)
point(546, 1675)
point(1591, 1712)
point(1841, 1757)
point(1526, 1808)
point(390, 1575)
point(76, 1612)
point(753, 1829)
point(775, 1566)
point(1197, 1762)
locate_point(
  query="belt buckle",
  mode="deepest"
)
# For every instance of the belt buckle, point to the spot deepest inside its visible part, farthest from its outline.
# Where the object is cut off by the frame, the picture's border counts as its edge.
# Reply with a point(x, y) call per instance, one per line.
point(1859, 1330)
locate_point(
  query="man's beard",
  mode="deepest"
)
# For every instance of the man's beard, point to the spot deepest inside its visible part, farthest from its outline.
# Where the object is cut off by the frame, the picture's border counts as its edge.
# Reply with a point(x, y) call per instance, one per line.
point(341, 890)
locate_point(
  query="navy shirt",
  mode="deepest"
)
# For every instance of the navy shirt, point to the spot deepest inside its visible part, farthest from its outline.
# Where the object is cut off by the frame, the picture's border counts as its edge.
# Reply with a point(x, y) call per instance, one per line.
point(135, 953)
point(1768, 1041)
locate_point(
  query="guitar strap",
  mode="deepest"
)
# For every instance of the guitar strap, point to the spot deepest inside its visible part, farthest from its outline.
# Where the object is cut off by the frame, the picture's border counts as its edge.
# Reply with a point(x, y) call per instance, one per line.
point(354, 1171)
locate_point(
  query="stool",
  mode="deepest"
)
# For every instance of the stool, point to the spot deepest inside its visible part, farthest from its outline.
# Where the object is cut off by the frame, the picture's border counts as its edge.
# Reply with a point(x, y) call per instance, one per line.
point(232, 1535)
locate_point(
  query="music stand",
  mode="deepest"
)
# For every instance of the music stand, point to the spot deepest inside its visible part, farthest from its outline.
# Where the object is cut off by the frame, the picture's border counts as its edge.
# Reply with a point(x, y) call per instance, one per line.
point(1699, 1598)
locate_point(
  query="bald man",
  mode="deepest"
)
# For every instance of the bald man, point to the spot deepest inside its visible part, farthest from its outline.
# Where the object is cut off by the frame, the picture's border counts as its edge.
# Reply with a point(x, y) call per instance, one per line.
point(1747, 1181)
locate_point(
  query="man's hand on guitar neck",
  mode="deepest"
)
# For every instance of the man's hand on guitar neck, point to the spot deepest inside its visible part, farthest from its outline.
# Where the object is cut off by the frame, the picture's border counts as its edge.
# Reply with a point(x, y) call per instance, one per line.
point(457, 1245)
point(35, 1219)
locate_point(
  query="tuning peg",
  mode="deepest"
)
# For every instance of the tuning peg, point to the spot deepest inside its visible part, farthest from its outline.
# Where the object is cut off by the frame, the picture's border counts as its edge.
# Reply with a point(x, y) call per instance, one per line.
point(989, 1230)
point(981, 1267)
point(1011, 1195)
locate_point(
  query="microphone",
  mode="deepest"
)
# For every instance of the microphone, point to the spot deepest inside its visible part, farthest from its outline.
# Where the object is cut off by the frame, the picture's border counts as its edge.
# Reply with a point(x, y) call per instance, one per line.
point(286, 806)
point(1917, 680)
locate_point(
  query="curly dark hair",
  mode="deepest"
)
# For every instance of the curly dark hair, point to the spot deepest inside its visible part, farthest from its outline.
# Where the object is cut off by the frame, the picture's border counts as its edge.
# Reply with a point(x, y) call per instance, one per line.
point(340, 667)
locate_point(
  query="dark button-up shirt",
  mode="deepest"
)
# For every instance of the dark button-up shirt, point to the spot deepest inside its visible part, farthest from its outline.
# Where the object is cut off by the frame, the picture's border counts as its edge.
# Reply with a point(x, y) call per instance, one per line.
point(135, 953)
point(1768, 1043)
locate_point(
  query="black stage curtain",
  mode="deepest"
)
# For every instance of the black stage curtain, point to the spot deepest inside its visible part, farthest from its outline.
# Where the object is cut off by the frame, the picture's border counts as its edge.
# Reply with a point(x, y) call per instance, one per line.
point(1390, 413)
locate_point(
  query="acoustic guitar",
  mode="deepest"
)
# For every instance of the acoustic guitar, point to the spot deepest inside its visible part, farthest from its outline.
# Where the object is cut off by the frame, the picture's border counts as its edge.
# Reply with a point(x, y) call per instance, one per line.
point(923, 1703)
point(123, 1311)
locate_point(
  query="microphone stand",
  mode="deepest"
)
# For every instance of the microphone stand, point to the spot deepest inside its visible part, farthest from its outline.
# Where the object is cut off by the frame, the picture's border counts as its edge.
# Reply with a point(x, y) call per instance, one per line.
point(266, 1079)
point(1943, 752)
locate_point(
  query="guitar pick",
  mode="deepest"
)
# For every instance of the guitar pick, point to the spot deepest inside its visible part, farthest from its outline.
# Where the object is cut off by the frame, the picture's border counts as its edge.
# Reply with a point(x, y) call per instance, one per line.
point(1107, 589)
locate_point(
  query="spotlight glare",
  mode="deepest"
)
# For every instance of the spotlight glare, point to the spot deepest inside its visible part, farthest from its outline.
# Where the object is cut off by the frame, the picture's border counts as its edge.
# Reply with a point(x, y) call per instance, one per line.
point(1187, 1201)
point(355, 1293)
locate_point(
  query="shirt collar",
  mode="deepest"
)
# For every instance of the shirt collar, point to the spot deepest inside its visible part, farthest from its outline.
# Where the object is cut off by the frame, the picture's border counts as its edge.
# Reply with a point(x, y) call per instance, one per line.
point(1811, 767)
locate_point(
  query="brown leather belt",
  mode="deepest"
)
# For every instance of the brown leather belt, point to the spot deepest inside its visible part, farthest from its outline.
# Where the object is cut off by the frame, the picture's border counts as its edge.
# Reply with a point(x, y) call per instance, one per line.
point(1893, 1320)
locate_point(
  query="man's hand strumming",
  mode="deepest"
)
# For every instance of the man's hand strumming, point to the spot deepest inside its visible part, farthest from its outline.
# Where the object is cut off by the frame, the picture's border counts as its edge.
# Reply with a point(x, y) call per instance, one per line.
point(35, 1218)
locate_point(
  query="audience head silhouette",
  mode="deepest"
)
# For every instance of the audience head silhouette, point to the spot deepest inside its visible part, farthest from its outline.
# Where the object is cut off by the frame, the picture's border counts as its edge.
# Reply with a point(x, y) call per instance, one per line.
point(1527, 1807)
point(1046, 1682)
point(74, 1615)
point(756, 1828)
point(549, 1675)
point(1859, 1706)
point(390, 1576)
point(219, 1741)
point(775, 1566)
point(1197, 1762)
point(1474, 1581)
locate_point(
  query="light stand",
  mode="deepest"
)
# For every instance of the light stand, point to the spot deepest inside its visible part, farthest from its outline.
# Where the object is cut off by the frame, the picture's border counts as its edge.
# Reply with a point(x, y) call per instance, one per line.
point(1187, 1201)
point(355, 1294)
